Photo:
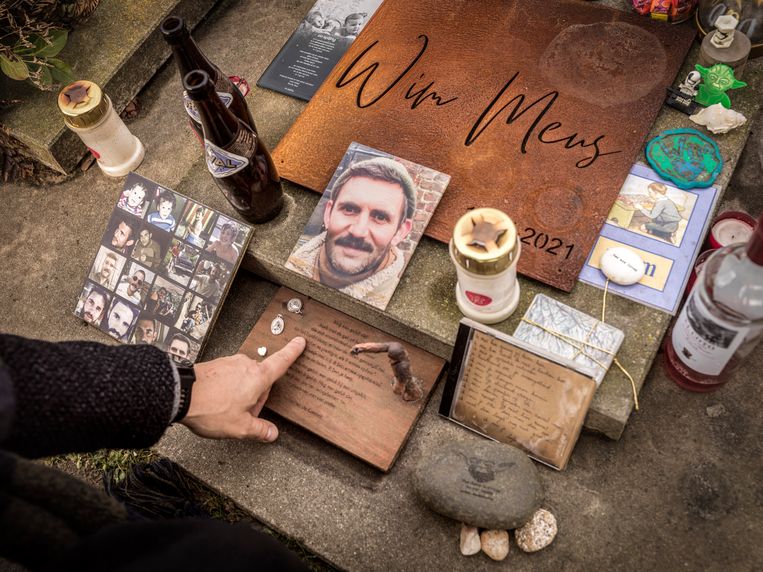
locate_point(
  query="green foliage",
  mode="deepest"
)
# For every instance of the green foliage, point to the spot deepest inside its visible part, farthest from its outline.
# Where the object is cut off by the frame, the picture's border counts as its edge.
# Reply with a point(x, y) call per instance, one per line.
point(14, 68)
point(29, 44)
point(116, 461)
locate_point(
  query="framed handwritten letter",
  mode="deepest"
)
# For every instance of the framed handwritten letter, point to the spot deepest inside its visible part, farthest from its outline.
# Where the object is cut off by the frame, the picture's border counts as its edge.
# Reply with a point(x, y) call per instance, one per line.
point(537, 108)
point(347, 399)
point(516, 393)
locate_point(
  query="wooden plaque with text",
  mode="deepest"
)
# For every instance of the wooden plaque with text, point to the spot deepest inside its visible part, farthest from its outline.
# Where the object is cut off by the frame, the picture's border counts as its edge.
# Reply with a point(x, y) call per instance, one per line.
point(345, 399)
point(537, 108)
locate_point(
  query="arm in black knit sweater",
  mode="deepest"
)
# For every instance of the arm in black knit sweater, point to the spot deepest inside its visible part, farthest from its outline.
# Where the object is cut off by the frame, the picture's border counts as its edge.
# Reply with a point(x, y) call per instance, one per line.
point(82, 396)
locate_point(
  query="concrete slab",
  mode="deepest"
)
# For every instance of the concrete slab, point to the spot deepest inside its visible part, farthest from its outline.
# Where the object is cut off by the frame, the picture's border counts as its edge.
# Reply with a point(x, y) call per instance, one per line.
point(680, 490)
point(423, 309)
point(120, 48)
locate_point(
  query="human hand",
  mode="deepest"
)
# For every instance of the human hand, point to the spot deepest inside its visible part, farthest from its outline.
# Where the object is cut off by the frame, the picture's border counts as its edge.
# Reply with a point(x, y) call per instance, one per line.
point(230, 392)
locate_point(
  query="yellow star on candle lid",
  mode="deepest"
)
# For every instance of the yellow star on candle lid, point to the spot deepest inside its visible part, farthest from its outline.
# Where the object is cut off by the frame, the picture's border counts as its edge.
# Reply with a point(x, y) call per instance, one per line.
point(77, 93)
point(485, 234)
point(484, 241)
point(83, 104)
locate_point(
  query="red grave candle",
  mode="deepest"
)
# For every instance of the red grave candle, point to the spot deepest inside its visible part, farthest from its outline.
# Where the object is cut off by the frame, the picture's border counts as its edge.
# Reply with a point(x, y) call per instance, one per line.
point(730, 227)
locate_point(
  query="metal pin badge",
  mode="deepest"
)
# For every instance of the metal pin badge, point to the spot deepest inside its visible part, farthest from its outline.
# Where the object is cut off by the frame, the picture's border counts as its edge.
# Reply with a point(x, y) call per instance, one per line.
point(294, 305)
point(262, 351)
point(277, 325)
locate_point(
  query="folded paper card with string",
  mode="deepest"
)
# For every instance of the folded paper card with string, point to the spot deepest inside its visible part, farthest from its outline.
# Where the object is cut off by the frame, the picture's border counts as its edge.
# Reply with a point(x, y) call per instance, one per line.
point(567, 332)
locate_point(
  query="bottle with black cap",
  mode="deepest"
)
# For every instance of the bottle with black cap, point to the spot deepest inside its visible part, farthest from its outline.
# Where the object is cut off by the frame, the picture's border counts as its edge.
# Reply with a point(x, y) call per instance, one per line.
point(236, 157)
point(189, 57)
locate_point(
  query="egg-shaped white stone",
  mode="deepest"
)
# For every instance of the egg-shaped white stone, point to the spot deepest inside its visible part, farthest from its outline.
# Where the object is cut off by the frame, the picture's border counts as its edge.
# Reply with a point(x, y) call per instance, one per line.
point(622, 265)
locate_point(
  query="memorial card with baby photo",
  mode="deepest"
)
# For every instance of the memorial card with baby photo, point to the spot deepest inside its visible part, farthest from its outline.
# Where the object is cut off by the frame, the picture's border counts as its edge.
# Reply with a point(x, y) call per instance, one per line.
point(367, 224)
point(162, 270)
point(315, 47)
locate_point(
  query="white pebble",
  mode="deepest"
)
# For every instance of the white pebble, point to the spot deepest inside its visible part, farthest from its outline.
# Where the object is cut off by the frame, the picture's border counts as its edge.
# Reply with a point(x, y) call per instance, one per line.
point(470, 540)
point(495, 543)
point(538, 533)
point(715, 410)
point(622, 265)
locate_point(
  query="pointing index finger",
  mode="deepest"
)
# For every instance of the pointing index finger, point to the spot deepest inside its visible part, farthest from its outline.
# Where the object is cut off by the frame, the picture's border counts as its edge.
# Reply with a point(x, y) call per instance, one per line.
point(277, 364)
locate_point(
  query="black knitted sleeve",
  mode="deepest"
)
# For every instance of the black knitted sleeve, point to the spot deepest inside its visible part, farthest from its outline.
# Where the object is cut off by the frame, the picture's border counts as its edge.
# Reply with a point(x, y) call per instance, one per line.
point(83, 396)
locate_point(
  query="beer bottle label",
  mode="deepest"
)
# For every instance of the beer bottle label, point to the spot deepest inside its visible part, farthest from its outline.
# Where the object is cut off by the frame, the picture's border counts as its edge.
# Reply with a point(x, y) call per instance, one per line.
point(222, 163)
point(190, 106)
point(703, 342)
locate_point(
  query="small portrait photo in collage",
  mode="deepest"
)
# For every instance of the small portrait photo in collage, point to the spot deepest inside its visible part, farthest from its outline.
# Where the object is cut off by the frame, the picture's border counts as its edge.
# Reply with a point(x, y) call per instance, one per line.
point(121, 232)
point(181, 348)
point(92, 304)
point(119, 319)
point(164, 300)
point(161, 270)
point(210, 279)
point(166, 209)
point(150, 246)
point(195, 316)
point(135, 283)
point(180, 261)
point(149, 330)
point(227, 240)
point(196, 224)
point(106, 268)
point(134, 199)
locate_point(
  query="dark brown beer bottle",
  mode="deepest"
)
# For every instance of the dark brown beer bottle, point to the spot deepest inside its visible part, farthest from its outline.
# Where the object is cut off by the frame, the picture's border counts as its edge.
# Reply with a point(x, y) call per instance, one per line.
point(189, 57)
point(236, 157)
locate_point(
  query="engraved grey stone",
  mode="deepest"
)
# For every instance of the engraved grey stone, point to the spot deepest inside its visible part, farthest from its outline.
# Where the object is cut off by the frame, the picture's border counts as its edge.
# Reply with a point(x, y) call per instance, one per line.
point(485, 484)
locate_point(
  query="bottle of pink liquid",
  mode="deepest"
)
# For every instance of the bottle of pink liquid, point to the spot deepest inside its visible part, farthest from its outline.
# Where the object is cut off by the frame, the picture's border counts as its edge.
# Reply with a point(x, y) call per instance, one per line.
point(722, 320)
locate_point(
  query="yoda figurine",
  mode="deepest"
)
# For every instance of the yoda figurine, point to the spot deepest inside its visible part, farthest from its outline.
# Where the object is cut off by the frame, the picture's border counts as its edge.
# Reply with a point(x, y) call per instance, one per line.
point(716, 80)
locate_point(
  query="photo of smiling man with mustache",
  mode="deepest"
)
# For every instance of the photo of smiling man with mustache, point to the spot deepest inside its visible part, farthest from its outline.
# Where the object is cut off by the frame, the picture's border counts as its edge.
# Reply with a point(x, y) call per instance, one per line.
point(369, 211)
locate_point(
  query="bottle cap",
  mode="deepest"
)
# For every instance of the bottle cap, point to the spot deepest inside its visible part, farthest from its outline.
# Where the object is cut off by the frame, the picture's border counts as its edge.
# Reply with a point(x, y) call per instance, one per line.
point(484, 241)
point(755, 246)
point(173, 29)
point(198, 85)
point(83, 104)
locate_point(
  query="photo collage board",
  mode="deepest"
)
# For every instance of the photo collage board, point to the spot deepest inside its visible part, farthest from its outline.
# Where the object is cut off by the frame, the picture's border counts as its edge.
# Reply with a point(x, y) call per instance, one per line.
point(162, 270)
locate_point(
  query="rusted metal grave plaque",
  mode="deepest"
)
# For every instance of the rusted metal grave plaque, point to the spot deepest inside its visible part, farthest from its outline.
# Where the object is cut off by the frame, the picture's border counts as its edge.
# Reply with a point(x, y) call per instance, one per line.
point(537, 108)
point(343, 398)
